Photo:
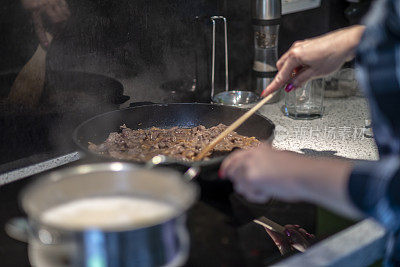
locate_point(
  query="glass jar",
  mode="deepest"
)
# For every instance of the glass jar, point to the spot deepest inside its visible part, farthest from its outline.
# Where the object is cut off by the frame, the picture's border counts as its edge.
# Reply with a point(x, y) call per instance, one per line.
point(305, 102)
point(342, 83)
point(265, 48)
point(265, 58)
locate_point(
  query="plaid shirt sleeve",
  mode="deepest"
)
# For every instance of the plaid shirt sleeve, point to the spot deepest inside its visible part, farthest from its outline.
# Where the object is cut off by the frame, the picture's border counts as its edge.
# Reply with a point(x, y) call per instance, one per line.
point(374, 187)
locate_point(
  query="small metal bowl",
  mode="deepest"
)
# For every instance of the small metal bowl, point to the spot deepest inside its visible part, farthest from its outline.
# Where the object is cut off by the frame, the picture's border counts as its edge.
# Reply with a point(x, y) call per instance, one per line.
point(236, 98)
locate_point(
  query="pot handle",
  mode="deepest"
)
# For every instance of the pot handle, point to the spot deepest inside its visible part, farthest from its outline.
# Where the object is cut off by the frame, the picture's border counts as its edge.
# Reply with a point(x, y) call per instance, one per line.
point(122, 99)
point(138, 104)
point(191, 173)
point(18, 229)
point(184, 243)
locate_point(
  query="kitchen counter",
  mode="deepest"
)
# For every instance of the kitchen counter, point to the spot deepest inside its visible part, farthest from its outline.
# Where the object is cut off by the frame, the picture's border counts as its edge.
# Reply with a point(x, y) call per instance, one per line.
point(338, 133)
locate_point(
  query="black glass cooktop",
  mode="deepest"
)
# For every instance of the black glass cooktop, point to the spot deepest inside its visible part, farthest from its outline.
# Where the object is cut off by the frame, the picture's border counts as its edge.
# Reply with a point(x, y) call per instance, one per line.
point(220, 226)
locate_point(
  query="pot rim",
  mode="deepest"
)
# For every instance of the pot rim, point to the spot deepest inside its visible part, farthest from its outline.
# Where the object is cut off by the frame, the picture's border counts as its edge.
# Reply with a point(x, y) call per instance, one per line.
point(58, 175)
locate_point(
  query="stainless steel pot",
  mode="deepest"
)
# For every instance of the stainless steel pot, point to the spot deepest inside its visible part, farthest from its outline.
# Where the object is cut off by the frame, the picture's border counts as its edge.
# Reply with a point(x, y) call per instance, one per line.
point(160, 243)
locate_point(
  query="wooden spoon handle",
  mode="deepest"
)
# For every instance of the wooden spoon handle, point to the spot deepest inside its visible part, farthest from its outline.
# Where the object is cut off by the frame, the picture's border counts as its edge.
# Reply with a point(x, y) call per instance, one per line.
point(28, 85)
point(232, 127)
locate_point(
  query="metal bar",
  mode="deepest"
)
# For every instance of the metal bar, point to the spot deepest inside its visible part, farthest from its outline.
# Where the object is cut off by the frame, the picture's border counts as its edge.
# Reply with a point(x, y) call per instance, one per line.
point(213, 19)
point(213, 59)
point(226, 55)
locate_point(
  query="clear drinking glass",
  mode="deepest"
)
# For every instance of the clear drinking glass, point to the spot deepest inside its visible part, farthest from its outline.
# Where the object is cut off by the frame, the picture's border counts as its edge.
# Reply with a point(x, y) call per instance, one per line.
point(342, 83)
point(305, 102)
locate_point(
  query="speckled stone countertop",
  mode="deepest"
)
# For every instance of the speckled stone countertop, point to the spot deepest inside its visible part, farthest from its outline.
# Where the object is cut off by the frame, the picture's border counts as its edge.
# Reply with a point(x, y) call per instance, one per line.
point(338, 133)
point(33, 169)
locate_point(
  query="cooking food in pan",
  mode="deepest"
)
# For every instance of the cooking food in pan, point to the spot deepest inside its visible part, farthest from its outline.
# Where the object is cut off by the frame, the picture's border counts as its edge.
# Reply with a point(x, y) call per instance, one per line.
point(180, 143)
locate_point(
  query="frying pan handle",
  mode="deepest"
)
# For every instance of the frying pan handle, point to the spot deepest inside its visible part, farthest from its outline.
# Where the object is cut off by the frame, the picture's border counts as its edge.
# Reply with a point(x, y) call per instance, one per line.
point(191, 173)
point(138, 104)
point(122, 99)
point(18, 229)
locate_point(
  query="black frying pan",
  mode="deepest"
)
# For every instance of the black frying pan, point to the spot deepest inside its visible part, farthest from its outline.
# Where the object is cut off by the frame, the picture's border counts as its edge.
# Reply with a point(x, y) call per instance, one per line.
point(185, 115)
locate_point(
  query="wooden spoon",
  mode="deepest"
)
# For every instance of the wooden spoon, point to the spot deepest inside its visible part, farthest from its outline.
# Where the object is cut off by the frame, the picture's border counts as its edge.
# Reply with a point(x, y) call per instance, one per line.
point(232, 127)
point(28, 86)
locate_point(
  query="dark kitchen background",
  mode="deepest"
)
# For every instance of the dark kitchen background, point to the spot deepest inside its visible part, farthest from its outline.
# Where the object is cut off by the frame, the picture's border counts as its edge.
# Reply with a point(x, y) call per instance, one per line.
point(110, 51)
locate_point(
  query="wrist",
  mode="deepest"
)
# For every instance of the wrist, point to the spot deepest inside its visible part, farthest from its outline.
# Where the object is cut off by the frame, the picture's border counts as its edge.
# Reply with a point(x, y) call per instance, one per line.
point(301, 174)
point(320, 180)
point(353, 37)
point(304, 178)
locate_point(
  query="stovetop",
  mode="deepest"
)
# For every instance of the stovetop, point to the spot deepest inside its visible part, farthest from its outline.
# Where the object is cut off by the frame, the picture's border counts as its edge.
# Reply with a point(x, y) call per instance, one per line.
point(219, 224)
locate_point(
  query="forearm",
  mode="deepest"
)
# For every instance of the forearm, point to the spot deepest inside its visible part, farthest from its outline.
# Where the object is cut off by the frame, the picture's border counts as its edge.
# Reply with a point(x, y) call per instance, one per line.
point(264, 172)
point(325, 182)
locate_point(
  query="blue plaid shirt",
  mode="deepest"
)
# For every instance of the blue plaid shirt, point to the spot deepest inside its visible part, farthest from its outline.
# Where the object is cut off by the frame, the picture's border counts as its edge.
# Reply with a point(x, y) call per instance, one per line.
point(375, 186)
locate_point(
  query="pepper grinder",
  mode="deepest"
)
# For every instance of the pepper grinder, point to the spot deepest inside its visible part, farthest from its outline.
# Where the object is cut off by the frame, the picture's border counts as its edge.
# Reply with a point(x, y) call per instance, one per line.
point(266, 18)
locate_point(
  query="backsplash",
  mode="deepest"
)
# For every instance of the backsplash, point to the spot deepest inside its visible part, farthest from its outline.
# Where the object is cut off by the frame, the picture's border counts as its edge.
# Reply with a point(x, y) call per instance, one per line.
point(152, 45)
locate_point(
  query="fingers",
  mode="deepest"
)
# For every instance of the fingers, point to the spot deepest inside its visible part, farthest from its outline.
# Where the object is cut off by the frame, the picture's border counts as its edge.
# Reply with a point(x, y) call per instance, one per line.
point(280, 241)
point(300, 239)
point(282, 60)
point(255, 195)
point(305, 234)
point(305, 75)
point(39, 29)
point(58, 11)
point(64, 8)
point(230, 162)
point(284, 75)
point(286, 64)
point(32, 4)
point(299, 242)
point(245, 185)
point(245, 168)
point(247, 189)
point(249, 192)
point(296, 237)
point(54, 13)
point(285, 56)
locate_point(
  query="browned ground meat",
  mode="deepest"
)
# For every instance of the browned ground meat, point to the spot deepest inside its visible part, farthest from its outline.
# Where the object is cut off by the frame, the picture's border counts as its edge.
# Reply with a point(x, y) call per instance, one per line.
point(180, 143)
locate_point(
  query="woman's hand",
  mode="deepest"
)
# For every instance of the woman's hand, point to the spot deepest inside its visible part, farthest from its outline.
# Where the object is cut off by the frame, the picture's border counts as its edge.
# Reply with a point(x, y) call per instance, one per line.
point(263, 172)
point(295, 238)
point(315, 57)
point(260, 173)
point(56, 11)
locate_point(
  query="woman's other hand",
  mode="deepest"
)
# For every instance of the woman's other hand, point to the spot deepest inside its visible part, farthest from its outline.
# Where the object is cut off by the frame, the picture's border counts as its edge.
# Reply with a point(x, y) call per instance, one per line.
point(315, 57)
point(295, 238)
point(263, 172)
point(260, 173)
point(56, 11)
